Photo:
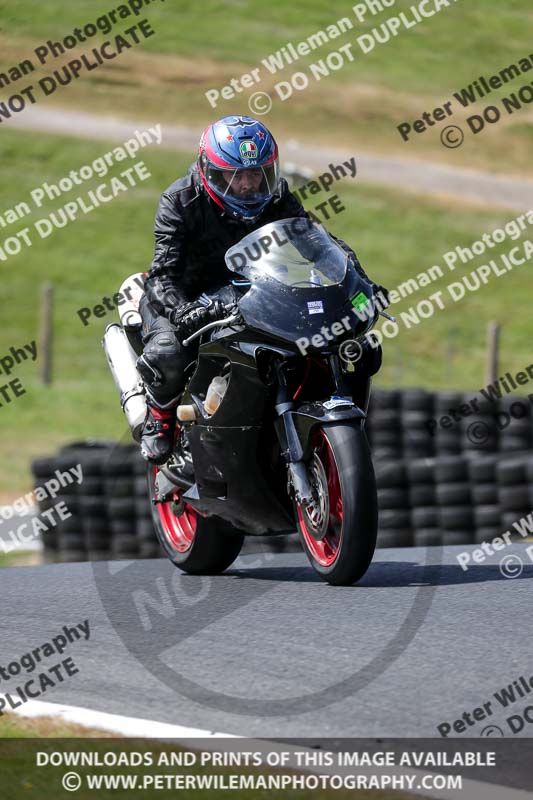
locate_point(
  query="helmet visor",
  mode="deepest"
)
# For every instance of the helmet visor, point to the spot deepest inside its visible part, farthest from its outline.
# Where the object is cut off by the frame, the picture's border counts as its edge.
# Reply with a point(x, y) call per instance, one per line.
point(248, 186)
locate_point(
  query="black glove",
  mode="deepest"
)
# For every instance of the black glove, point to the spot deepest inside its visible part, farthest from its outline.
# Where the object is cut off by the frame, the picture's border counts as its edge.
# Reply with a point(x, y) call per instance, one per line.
point(381, 295)
point(179, 313)
point(190, 318)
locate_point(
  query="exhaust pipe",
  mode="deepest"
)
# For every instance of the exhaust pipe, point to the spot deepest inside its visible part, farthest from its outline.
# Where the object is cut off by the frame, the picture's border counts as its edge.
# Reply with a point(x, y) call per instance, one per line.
point(122, 363)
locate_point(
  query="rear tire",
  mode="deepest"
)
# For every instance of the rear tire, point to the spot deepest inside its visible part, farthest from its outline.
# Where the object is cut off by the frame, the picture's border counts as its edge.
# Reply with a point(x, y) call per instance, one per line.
point(196, 544)
point(349, 515)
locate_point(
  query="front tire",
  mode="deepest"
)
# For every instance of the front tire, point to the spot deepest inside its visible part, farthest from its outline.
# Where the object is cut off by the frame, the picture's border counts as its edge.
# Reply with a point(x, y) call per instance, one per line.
point(196, 544)
point(344, 515)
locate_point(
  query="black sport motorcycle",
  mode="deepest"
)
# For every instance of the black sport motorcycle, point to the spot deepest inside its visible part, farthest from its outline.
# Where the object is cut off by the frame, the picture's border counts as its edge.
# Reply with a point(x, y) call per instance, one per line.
point(268, 436)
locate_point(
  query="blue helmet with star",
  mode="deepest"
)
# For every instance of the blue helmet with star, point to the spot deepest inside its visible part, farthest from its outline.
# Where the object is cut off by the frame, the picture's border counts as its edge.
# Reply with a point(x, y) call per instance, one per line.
point(239, 165)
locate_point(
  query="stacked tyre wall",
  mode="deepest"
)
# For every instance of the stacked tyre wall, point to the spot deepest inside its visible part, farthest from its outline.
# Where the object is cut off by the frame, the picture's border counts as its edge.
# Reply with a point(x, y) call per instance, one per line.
point(457, 483)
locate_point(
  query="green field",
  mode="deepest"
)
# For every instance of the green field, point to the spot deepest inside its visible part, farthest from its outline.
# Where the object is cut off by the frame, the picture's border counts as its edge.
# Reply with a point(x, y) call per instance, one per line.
point(359, 105)
point(396, 236)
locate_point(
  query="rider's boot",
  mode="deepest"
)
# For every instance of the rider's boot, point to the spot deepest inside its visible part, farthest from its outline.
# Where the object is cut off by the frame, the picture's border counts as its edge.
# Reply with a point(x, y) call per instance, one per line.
point(157, 441)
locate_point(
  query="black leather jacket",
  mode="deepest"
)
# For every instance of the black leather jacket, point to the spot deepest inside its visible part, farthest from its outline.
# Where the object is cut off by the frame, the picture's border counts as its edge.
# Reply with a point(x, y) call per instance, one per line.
point(192, 235)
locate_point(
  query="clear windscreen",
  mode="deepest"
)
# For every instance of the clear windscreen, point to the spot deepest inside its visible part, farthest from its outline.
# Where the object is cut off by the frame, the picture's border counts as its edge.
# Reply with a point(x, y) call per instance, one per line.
point(295, 252)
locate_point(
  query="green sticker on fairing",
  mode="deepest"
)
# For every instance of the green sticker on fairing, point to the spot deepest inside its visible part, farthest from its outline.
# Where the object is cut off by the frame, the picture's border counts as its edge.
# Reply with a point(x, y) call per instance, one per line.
point(360, 301)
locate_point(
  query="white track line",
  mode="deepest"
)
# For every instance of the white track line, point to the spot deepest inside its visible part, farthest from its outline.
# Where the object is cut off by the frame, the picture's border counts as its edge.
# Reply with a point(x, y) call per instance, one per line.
point(133, 727)
point(115, 723)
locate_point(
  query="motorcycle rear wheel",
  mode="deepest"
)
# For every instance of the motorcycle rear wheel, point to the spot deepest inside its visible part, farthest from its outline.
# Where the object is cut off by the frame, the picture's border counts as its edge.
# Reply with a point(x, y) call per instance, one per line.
point(196, 544)
point(344, 515)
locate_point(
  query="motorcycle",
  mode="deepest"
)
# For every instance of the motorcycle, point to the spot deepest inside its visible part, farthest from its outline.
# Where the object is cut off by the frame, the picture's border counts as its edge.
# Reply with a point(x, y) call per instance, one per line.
point(268, 438)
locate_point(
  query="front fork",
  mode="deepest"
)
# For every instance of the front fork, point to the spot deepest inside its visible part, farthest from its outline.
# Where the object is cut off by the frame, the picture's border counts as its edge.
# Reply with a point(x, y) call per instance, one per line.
point(293, 454)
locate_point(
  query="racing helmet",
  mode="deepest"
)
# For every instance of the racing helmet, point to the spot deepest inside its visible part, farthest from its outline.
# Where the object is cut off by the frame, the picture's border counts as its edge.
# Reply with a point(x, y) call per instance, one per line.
point(239, 166)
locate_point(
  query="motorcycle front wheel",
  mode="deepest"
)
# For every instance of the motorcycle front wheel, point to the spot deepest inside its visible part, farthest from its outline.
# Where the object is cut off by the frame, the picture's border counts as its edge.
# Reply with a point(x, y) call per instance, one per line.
point(196, 544)
point(338, 529)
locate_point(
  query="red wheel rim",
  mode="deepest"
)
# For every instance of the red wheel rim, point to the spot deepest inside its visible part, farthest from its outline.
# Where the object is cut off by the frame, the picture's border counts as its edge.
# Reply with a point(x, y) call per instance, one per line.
point(325, 551)
point(179, 531)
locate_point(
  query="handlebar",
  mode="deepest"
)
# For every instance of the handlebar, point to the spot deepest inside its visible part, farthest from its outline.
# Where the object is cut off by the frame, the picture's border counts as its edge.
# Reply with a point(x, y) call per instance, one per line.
point(226, 321)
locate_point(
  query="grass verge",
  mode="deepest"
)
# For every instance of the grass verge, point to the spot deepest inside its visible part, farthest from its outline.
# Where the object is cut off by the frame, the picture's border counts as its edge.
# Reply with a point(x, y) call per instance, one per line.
point(21, 779)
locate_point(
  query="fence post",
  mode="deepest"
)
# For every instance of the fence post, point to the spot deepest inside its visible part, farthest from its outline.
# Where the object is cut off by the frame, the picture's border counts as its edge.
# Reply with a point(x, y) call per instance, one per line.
point(46, 332)
point(493, 346)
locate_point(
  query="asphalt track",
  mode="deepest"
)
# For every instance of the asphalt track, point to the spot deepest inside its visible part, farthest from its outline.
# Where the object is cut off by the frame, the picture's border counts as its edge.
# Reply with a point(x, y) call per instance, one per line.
point(431, 178)
point(267, 650)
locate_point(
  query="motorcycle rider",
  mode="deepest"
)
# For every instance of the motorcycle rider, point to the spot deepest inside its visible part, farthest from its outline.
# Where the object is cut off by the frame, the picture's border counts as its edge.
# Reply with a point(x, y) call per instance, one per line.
point(233, 188)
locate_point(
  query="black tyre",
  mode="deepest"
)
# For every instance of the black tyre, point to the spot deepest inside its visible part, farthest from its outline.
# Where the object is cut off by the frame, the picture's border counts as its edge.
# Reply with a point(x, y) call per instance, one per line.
point(421, 471)
point(484, 494)
point(392, 475)
point(144, 530)
point(92, 485)
point(384, 399)
point(393, 498)
point(394, 518)
point(44, 467)
point(453, 494)
point(395, 538)
point(140, 485)
point(119, 486)
point(456, 518)
point(446, 401)
point(98, 555)
point(124, 546)
point(120, 507)
point(339, 530)
point(196, 544)
point(451, 469)
point(514, 498)
point(417, 400)
point(513, 443)
point(122, 527)
point(458, 537)
point(385, 420)
point(422, 495)
point(428, 537)
point(380, 453)
point(511, 471)
point(90, 505)
point(425, 517)
point(447, 444)
point(487, 516)
point(150, 550)
point(68, 556)
point(487, 534)
point(483, 470)
point(386, 438)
